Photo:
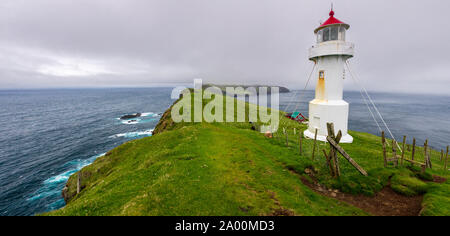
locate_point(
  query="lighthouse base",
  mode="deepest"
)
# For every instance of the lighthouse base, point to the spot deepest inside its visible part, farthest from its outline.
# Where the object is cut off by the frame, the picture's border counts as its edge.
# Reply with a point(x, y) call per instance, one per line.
point(322, 112)
point(345, 139)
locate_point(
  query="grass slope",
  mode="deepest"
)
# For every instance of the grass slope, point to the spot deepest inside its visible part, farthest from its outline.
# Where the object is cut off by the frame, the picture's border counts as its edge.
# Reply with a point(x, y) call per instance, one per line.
point(199, 170)
point(228, 169)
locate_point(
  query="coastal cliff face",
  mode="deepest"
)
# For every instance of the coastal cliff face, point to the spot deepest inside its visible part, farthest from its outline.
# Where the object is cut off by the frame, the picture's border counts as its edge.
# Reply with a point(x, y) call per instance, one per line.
point(165, 123)
point(229, 169)
point(69, 192)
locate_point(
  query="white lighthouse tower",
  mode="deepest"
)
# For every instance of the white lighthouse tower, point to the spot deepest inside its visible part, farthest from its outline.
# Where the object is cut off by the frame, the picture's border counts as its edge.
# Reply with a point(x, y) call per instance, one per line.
point(330, 55)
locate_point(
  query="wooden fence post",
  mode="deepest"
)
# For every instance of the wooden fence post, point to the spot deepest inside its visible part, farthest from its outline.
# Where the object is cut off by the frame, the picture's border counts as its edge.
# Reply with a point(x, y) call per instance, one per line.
point(425, 149)
point(314, 147)
point(383, 140)
point(344, 154)
point(333, 152)
point(394, 153)
point(429, 158)
point(413, 149)
point(330, 130)
point(328, 162)
point(287, 140)
point(338, 140)
point(403, 149)
point(446, 159)
point(300, 143)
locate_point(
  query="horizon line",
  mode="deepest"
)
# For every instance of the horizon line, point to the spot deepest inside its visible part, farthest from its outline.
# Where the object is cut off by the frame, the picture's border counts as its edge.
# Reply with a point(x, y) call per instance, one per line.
point(178, 84)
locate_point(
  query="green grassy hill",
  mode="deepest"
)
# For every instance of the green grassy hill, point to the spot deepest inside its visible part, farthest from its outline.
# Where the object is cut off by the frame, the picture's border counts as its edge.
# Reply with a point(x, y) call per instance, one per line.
point(229, 169)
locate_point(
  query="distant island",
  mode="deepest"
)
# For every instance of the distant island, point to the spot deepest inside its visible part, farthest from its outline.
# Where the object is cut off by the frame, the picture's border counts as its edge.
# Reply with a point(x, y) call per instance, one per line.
point(269, 88)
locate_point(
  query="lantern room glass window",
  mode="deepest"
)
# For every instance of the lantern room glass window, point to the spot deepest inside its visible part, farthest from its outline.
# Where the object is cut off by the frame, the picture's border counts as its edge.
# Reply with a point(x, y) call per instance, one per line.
point(342, 33)
point(332, 33)
point(326, 34)
point(320, 36)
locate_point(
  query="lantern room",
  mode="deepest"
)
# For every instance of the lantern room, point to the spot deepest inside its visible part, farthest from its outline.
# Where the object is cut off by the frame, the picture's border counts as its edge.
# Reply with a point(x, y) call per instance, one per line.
point(332, 30)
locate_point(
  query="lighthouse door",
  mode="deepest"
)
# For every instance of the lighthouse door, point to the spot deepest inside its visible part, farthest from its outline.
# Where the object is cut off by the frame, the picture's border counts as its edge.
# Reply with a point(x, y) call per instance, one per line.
point(320, 89)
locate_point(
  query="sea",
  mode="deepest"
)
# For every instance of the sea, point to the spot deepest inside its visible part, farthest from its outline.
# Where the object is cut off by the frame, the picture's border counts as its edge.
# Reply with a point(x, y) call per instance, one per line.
point(46, 135)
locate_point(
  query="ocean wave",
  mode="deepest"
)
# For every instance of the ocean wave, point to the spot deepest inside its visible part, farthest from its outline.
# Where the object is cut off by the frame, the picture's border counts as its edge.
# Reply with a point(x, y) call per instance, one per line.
point(144, 118)
point(130, 122)
point(43, 193)
point(56, 205)
point(63, 177)
point(136, 121)
point(133, 134)
point(52, 186)
point(149, 114)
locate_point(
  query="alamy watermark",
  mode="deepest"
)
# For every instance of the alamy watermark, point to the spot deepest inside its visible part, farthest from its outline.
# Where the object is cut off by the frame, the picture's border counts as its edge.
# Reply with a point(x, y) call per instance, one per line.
point(233, 105)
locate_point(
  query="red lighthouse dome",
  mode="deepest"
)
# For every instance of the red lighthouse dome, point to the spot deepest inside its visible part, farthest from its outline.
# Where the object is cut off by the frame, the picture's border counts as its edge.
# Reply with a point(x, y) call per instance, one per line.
point(332, 21)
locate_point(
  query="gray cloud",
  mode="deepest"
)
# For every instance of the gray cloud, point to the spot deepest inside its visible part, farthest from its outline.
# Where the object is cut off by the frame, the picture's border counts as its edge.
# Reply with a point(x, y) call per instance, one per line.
point(401, 45)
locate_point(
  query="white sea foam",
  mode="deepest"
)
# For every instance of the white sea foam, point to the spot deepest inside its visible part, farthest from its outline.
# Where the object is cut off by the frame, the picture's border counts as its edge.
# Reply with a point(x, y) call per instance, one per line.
point(142, 119)
point(60, 178)
point(44, 192)
point(51, 185)
point(133, 134)
point(137, 121)
point(130, 122)
point(147, 114)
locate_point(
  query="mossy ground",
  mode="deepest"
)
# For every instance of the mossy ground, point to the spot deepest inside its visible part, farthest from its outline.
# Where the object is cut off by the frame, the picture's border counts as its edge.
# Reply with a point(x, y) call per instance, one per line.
point(229, 169)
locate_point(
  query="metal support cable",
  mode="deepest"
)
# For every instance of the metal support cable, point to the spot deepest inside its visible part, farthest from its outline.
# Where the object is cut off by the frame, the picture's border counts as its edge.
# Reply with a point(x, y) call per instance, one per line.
point(368, 106)
point(302, 95)
point(373, 104)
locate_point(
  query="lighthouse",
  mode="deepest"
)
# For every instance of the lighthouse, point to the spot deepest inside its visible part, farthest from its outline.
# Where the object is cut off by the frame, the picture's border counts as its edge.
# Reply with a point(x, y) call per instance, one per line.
point(330, 55)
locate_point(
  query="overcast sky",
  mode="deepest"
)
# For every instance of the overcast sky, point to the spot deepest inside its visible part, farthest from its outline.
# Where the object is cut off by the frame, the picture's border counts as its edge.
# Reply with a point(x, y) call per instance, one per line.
point(401, 45)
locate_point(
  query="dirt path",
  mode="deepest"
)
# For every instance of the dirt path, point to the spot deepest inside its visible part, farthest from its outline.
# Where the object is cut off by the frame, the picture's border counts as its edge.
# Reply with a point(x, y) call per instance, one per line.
point(384, 203)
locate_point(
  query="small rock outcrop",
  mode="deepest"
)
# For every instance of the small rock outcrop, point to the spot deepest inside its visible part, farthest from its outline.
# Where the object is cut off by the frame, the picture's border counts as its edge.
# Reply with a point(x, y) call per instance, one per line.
point(132, 116)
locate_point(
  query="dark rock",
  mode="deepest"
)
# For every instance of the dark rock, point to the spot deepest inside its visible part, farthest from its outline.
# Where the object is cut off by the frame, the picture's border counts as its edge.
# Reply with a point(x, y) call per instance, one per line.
point(67, 194)
point(132, 116)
